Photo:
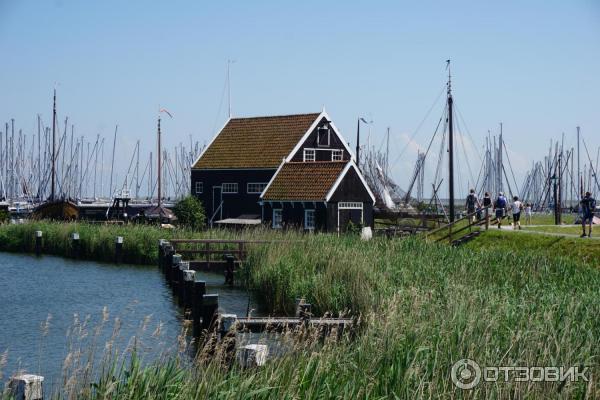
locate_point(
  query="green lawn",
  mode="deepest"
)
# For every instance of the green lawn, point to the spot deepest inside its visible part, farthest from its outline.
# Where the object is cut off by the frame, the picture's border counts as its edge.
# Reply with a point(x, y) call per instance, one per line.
point(580, 250)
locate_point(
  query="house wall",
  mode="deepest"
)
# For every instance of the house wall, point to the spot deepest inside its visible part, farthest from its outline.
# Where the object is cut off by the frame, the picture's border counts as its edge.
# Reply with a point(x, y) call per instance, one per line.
point(323, 153)
point(350, 188)
point(234, 205)
point(293, 214)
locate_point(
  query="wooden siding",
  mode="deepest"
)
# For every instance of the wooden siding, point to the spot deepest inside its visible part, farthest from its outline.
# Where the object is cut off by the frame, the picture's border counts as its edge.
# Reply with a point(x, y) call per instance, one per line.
point(323, 153)
point(234, 205)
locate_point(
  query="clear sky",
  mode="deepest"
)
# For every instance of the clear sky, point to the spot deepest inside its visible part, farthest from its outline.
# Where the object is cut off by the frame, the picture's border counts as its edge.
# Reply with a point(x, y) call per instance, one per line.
point(534, 65)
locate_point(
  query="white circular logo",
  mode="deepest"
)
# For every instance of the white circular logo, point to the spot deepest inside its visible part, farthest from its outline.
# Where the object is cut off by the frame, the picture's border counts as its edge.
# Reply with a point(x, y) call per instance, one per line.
point(465, 374)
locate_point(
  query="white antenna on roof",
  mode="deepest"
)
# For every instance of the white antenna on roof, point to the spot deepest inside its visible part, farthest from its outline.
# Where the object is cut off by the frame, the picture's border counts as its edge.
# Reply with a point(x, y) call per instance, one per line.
point(229, 62)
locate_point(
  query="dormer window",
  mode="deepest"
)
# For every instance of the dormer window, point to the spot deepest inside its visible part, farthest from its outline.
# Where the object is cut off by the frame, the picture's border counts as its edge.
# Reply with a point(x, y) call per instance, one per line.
point(323, 135)
point(310, 155)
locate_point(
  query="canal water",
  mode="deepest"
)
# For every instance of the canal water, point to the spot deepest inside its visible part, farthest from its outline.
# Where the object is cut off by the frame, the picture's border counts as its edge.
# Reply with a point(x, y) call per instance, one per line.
point(55, 312)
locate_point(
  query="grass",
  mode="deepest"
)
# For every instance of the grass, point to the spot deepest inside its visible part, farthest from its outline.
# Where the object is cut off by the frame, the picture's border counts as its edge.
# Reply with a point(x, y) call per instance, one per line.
point(97, 241)
point(559, 229)
point(553, 248)
point(503, 300)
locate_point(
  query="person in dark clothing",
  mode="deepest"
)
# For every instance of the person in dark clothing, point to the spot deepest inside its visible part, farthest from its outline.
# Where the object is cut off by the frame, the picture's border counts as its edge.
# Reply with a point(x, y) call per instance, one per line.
point(588, 206)
point(487, 205)
point(472, 203)
point(500, 208)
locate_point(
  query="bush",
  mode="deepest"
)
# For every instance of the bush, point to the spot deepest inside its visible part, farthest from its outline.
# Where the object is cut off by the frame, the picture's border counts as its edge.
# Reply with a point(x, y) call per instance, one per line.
point(190, 213)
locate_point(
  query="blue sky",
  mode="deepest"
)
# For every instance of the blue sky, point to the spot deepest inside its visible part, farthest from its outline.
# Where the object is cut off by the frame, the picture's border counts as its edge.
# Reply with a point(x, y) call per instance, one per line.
point(532, 65)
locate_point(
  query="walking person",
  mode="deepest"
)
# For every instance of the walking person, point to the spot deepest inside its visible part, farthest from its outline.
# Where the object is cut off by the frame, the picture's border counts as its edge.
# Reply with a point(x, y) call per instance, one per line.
point(528, 214)
point(516, 206)
point(487, 205)
point(500, 209)
point(588, 206)
point(472, 204)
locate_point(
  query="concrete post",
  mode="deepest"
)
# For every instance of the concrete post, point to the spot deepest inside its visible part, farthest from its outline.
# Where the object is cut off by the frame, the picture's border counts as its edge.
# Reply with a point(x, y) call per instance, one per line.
point(75, 244)
point(27, 387)
point(118, 249)
point(198, 292)
point(253, 355)
point(38, 243)
point(209, 309)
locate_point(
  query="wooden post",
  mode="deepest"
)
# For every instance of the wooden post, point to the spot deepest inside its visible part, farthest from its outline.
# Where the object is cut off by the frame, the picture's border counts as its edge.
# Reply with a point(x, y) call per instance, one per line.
point(176, 259)
point(38, 243)
point(229, 267)
point(303, 309)
point(75, 245)
point(207, 250)
point(189, 276)
point(27, 387)
point(198, 292)
point(183, 266)
point(226, 322)
point(209, 309)
point(161, 254)
point(118, 249)
point(169, 253)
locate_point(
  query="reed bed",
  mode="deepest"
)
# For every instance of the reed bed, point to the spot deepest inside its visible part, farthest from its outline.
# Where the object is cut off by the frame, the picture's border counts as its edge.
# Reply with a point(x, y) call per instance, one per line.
point(423, 307)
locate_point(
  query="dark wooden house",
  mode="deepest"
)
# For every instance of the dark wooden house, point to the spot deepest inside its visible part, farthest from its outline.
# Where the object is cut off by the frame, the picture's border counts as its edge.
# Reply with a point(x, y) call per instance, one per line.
point(249, 154)
point(319, 195)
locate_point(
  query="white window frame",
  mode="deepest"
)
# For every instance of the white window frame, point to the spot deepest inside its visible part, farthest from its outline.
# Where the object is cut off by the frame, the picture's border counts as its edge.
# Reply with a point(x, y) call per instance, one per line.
point(229, 190)
point(308, 226)
point(350, 205)
point(262, 186)
point(200, 185)
point(277, 224)
point(319, 136)
point(337, 155)
point(313, 156)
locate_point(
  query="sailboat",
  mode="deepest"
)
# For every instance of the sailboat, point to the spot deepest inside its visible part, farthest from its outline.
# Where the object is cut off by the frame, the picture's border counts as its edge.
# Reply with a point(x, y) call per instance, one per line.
point(54, 207)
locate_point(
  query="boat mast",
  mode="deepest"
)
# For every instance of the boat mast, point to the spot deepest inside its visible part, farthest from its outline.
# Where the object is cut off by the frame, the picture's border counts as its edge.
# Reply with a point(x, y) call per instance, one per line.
point(450, 147)
point(159, 166)
point(52, 192)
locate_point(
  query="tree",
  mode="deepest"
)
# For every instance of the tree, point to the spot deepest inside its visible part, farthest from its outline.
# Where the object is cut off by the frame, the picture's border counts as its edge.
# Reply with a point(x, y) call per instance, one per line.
point(189, 212)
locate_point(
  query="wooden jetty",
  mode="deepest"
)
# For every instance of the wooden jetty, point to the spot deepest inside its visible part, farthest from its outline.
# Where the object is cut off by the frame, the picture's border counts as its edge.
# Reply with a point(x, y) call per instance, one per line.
point(204, 310)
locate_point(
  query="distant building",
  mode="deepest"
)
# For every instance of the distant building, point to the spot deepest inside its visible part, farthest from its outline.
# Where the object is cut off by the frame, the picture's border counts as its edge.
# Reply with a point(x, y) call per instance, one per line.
point(287, 171)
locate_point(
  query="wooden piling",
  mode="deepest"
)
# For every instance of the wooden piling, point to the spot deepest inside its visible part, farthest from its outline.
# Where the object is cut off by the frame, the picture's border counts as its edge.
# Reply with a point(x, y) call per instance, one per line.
point(75, 245)
point(38, 243)
point(229, 268)
point(189, 276)
point(303, 309)
point(183, 266)
point(176, 259)
point(118, 249)
point(168, 261)
point(198, 292)
point(209, 309)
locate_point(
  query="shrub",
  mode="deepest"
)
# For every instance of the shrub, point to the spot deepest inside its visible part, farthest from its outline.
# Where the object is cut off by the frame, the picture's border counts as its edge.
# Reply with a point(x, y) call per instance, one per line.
point(189, 212)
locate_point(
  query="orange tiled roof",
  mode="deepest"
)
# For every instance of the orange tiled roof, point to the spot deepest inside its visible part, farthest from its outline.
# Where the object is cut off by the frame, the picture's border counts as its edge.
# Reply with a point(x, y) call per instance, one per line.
point(259, 142)
point(308, 181)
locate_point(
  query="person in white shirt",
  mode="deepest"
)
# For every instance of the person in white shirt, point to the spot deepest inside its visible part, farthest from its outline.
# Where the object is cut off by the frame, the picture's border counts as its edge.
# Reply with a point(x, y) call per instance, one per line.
point(528, 214)
point(516, 206)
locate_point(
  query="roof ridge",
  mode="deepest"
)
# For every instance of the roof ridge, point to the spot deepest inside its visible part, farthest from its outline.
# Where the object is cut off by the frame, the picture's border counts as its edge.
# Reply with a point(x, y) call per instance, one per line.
point(319, 162)
point(277, 116)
